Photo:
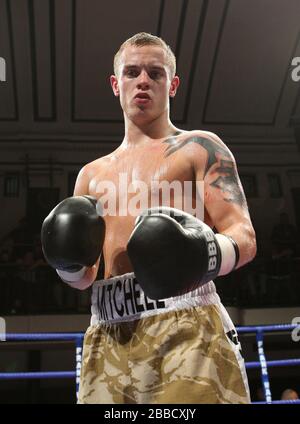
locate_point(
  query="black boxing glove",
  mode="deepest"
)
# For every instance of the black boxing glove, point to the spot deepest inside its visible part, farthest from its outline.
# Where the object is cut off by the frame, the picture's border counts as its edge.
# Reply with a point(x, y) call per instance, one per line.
point(173, 252)
point(73, 236)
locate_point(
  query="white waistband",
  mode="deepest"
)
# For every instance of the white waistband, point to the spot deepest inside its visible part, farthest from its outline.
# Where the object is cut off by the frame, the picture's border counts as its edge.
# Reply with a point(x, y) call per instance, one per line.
point(122, 299)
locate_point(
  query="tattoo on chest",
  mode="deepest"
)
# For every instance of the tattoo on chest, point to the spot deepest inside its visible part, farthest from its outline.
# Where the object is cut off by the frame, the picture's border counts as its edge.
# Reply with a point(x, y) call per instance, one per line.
point(228, 182)
point(212, 148)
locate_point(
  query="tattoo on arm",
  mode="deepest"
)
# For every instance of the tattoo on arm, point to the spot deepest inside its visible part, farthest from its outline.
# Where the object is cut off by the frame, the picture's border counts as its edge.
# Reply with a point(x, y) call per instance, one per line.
point(228, 180)
point(211, 147)
point(229, 183)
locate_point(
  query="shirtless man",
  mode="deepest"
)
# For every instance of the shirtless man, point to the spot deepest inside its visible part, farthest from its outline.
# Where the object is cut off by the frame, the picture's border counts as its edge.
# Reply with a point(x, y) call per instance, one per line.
point(151, 341)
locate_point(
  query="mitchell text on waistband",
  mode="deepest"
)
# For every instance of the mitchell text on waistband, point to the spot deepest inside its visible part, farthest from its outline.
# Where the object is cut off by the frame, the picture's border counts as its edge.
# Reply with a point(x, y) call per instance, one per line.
point(123, 298)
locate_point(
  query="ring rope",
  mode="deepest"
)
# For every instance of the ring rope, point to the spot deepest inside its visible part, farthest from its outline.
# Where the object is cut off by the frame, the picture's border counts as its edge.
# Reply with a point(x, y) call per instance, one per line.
point(263, 364)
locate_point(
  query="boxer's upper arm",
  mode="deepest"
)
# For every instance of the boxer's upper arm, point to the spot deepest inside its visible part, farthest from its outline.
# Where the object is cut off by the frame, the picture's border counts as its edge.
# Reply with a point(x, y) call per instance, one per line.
point(224, 197)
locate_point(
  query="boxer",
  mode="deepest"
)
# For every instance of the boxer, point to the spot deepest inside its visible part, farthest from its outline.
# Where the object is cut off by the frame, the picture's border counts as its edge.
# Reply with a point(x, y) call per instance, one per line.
point(159, 332)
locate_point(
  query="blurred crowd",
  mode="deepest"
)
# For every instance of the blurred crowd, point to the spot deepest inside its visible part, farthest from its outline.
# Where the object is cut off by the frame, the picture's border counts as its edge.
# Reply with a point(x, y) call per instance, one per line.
point(28, 284)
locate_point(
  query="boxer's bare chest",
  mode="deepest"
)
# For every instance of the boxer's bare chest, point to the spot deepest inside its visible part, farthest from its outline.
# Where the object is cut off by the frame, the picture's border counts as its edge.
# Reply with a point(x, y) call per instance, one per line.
point(132, 180)
point(144, 171)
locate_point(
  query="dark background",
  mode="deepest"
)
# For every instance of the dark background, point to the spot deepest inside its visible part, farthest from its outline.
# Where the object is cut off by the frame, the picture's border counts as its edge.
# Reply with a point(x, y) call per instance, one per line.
point(57, 113)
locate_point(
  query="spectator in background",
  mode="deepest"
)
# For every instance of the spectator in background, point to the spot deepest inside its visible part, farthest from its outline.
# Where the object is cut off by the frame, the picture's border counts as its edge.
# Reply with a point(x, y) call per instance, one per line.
point(284, 238)
point(7, 250)
point(256, 279)
point(260, 394)
point(4, 256)
point(289, 394)
point(284, 247)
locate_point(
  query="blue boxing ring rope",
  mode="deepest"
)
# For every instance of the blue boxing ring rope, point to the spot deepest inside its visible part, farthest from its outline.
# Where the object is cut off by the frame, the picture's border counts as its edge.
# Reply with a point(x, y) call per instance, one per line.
point(76, 337)
point(263, 364)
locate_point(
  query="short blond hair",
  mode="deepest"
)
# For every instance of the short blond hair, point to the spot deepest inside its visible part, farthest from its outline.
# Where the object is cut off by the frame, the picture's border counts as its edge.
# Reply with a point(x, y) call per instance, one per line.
point(145, 39)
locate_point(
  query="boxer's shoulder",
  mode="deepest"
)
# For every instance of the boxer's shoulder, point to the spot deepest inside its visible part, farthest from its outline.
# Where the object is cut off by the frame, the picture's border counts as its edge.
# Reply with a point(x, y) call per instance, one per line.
point(91, 169)
point(207, 147)
point(89, 172)
point(205, 138)
point(195, 142)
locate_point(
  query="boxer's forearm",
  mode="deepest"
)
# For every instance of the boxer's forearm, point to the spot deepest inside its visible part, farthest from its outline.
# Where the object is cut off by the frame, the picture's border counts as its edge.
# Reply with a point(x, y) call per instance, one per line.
point(244, 235)
point(87, 279)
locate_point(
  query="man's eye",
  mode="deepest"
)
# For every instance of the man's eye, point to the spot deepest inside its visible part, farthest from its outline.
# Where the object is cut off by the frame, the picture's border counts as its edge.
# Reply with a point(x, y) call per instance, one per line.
point(154, 74)
point(131, 73)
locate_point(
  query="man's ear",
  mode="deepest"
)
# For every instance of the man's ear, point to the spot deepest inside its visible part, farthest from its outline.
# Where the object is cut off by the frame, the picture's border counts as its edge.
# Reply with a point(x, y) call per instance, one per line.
point(174, 85)
point(114, 85)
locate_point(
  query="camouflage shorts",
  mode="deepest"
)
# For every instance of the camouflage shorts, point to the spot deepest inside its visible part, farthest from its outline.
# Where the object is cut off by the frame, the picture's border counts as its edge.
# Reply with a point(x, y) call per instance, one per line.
point(179, 350)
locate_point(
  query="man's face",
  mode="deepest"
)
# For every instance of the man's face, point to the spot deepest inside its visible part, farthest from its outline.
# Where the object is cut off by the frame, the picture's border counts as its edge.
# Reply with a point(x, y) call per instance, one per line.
point(144, 83)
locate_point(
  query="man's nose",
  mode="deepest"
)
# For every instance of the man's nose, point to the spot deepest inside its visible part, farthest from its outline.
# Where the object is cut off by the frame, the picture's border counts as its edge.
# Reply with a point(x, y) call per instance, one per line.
point(143, 80)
